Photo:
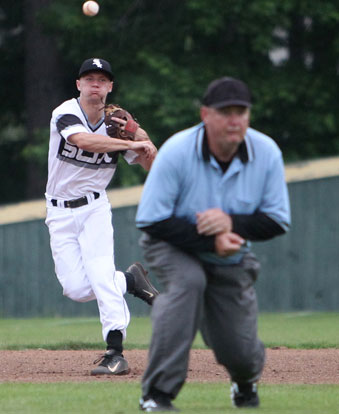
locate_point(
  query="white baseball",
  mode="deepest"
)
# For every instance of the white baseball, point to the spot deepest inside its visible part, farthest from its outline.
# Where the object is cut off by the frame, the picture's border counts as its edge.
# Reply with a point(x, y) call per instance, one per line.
point(90, 8)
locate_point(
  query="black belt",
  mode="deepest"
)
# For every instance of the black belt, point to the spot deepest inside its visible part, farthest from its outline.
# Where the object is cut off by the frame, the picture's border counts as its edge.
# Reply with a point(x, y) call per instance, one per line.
point(78, 202)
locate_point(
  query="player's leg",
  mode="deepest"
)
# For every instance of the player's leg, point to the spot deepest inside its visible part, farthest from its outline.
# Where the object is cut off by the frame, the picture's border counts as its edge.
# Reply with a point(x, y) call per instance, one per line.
point(175, 316)
point(67, 255)
point(97, 249)
point(230, 326)
point(109, 286)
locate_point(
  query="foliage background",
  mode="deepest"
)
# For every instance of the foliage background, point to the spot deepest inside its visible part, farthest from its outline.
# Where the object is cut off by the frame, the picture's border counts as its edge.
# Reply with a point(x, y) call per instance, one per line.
point(164, 53)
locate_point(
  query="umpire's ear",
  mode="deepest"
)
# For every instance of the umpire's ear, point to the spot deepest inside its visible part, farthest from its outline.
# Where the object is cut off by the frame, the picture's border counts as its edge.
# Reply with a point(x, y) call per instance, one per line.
point(204, 112)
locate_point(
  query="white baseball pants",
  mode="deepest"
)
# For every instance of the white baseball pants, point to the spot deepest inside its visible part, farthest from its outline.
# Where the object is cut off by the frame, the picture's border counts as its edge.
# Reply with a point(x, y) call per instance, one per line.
point(83, 251)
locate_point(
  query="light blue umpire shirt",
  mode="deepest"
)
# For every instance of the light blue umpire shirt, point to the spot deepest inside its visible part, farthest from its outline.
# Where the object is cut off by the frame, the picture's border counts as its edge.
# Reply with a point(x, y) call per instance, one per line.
point(182, 182)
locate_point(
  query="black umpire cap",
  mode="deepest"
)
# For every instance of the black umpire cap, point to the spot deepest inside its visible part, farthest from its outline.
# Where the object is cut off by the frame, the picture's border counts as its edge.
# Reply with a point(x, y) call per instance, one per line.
point(96, 65)
point(227, 92)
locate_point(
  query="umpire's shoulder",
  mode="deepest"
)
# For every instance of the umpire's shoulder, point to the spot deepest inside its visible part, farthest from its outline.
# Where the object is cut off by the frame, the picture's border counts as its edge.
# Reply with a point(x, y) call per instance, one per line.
point(262, 142)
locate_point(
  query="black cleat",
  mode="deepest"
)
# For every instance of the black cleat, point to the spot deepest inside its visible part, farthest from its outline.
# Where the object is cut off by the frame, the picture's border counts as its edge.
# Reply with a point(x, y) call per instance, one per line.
point(143, 288)
point(112, 363)
point(156, 404)
point(244, 395)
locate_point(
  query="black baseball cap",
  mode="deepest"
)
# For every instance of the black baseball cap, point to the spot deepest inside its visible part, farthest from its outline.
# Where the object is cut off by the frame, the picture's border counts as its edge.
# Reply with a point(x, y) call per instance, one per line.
point(227, 92)
point(96, 65)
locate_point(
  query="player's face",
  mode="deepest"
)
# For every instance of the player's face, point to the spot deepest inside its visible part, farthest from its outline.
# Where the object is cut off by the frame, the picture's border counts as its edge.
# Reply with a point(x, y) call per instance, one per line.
point(94, 86)
point(227, 124)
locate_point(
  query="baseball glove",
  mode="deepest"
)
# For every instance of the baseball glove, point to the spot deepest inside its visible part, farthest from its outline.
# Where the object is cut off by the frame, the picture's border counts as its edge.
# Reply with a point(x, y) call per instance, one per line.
point(116, 130)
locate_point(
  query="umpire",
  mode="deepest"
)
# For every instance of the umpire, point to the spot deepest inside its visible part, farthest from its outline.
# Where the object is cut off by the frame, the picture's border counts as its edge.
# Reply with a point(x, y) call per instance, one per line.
point(212, 189)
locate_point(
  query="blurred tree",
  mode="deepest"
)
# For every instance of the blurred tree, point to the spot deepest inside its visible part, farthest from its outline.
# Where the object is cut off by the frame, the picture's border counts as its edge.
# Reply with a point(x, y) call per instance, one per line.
point(32, 87)
point(12, 166)
point(43, 92)
point(164, 54)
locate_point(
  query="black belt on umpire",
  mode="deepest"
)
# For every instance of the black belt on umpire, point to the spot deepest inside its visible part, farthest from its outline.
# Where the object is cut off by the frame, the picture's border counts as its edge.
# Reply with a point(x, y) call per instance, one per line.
point(78, 202)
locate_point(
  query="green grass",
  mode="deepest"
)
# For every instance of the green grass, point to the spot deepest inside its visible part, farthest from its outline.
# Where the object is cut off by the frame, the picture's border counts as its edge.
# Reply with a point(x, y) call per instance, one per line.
point(306, 330)
point(121, 398)
point(293, 330)
point(66, 333)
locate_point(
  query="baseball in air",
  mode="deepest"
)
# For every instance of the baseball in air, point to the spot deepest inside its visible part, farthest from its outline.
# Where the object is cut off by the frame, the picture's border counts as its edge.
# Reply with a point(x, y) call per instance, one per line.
point(90, 8)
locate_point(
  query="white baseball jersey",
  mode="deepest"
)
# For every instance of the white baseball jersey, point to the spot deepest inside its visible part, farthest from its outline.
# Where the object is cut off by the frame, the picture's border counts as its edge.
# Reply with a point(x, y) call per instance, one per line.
point(74, 172)
point(81, 238)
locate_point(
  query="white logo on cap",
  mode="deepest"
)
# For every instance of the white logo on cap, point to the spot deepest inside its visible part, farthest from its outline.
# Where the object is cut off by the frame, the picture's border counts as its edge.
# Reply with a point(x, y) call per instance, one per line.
point(97, 63)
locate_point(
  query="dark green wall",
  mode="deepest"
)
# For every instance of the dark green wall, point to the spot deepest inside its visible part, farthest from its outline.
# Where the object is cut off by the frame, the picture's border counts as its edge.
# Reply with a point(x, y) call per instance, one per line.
point(300, 270)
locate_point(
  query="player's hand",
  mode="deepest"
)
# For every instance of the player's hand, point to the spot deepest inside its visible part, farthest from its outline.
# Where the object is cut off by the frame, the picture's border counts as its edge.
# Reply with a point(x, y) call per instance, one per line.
point(146, 148)
point(213, 221)
point(228, 243)
point(140, 146)
point(140, 134)
point(120, 121)
point(146, 151)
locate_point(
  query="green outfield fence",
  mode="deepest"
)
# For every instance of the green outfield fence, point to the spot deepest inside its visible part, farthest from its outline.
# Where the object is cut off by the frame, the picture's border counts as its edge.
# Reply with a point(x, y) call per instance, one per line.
point(300, 270)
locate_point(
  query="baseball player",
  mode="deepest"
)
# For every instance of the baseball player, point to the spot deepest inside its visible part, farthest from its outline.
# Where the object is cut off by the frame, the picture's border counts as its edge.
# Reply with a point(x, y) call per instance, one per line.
point(212, 189)
point(82, 161)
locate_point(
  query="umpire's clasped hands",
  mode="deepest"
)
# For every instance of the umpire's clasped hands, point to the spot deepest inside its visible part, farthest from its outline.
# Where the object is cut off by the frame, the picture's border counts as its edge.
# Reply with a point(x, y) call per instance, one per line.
point(213, 221)
point(216, 222)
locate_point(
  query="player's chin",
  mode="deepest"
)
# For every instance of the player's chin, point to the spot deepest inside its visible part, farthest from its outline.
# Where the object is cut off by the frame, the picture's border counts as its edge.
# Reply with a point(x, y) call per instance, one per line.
point(95, 95)
point(95, 98)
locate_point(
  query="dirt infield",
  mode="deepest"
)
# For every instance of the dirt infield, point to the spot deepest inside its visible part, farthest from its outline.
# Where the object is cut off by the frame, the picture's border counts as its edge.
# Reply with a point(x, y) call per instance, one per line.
point(282, 366)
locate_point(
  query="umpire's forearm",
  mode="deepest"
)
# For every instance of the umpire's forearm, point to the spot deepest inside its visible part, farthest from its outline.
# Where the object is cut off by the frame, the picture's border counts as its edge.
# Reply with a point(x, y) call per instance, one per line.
point(182, 234)
point(255, 227)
